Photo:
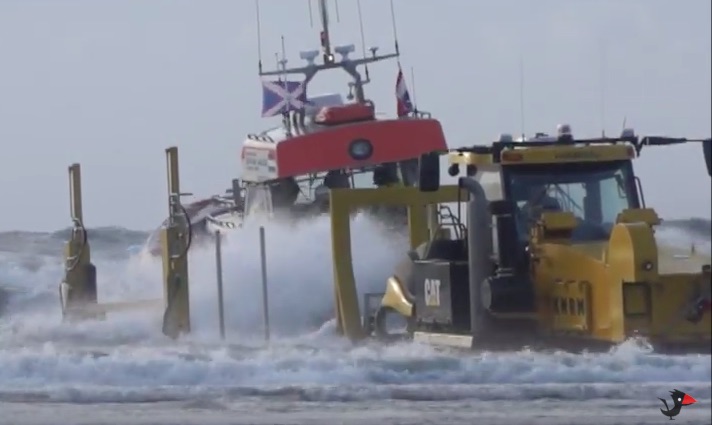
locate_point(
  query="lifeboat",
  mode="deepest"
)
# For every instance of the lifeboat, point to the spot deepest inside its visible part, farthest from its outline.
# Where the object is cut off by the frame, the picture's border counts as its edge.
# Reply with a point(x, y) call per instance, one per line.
point(342, 114)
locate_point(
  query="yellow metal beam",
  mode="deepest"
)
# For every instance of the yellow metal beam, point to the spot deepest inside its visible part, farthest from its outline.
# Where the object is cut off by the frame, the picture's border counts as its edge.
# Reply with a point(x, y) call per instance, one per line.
point(175, 242)
point(418, 230)
point(75, 193)
point(343, 202)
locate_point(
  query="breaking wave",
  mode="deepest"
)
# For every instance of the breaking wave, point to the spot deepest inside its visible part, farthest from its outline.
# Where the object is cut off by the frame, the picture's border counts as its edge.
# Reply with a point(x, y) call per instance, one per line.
point(126, 359)
point(404, 371)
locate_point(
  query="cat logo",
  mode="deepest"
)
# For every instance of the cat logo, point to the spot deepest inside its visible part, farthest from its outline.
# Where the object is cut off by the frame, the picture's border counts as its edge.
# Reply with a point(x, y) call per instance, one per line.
point(432, 292)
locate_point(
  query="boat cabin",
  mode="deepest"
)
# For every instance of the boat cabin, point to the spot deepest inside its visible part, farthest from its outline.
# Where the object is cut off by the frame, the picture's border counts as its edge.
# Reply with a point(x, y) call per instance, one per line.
point(336, 145)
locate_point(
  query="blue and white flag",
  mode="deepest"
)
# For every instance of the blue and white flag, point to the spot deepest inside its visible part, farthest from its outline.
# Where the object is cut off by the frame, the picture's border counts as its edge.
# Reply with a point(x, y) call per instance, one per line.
point(279, 97)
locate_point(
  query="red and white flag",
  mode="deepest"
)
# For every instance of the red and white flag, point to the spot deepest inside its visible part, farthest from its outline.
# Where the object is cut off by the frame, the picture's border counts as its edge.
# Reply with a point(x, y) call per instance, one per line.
point(403, 104)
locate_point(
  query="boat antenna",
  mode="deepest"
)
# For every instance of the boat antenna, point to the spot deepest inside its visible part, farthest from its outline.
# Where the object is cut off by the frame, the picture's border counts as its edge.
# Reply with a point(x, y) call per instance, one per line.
point(259, 38)
point(311, 17)
point(395, 30)
point(325, 41)
point(363, 38)
point(283, 62)
point(602, 78)
point(521, 94)
point(336, 9)
point(329, 62)
point(412, 82)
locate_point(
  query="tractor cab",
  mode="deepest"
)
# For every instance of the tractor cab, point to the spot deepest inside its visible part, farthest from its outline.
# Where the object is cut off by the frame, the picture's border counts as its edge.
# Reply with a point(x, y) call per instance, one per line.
point(591, 182)
point(555, 247)
point(594, 192)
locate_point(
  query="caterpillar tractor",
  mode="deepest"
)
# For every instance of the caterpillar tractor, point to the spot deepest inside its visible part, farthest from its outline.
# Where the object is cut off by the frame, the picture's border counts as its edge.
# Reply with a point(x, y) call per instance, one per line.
point(552, 246)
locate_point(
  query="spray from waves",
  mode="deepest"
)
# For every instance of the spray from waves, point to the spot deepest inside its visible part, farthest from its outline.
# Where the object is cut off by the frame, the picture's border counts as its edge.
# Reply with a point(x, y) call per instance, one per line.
point(33, 313)
point(301, 295)
point(300, 275)
point(684, 239)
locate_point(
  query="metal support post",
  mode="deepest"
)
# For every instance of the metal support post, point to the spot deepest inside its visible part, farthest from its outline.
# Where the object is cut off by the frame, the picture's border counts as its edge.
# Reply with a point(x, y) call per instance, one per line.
point(265, 299)
point(78, 291)
point(218, 267)
point(432, 215)
point(176, 236)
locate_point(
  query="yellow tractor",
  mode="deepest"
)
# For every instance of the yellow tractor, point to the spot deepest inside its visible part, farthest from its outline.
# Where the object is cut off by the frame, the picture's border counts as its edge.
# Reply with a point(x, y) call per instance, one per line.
point(555, 249)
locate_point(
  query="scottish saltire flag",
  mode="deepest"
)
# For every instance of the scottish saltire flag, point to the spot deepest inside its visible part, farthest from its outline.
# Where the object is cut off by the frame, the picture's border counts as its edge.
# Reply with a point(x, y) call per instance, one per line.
point(279, 97)
point(403, 104)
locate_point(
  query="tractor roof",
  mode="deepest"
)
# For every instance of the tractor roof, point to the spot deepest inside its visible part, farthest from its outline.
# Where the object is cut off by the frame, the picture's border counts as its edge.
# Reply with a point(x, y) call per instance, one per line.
point(562, 148)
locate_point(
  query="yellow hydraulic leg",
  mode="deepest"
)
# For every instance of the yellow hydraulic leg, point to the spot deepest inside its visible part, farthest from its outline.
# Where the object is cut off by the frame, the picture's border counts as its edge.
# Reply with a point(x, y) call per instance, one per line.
point(432, 217)
point(175, 243)
point(78, 291)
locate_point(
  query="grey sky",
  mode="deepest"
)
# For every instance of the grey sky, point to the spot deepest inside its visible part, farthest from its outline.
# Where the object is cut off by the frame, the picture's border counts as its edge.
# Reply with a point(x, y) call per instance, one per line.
point(111, 83)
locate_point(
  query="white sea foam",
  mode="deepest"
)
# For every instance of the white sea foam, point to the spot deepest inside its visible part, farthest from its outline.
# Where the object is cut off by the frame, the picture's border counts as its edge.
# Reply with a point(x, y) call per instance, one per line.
point(127, 359)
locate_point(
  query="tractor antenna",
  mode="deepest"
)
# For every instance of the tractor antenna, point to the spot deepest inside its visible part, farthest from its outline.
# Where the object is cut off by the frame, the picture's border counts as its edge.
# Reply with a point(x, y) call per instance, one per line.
point(395, 30)
point(521, 95)
point(602, 81)
point(363, 38)
point(259, 37)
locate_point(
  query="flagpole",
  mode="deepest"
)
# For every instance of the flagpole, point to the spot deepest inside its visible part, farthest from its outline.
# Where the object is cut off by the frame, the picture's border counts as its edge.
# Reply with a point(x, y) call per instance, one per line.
point(285, 112)
point(259, 37)
point(412, 82)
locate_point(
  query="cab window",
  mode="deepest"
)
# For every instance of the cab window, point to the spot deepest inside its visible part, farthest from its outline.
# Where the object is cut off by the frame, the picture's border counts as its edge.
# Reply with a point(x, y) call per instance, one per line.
point(593, 192)
point(491, 183)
